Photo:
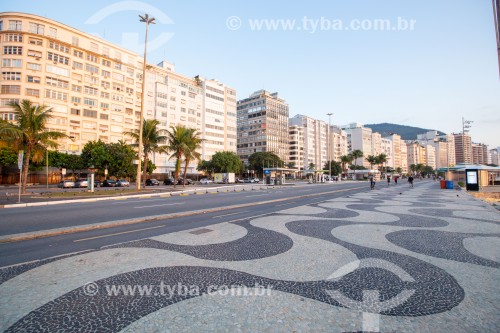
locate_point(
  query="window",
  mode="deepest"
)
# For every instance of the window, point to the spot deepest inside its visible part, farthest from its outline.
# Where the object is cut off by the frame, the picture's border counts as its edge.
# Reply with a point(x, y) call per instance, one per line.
point(58, 47)
point(35, 41)
point(54, 94)
point(89, 113)
point(32, 92)
point(11, 76)
point(94, 47)
point(91, 68)
point(118, 77)
point(8, 101)
point(12, 50)
point(1, 25)
point(57, 70)
point(89, 101)
point(75, 41)
point(53, 32)
point(91, 57)
point(35, 67)
point(36, 28)
point(105, 73)
point(51, 81)
point(104, 94)
point(103, 116)
point(106, 63)
point(118, 65)
point(33, 79)
point(117, 97)
point(13, 38)
point(7, 89)
point(105, 51)
point(75, 112)
point(76, 88)
point(116, 107)
point(35, 54)
point(15, 25)
point(77, 65)
point(75, 99)
point(13, 63)
point(58, 58)
point(78, 54)
point(129, 90)
point(90, 90)
point(105, 84)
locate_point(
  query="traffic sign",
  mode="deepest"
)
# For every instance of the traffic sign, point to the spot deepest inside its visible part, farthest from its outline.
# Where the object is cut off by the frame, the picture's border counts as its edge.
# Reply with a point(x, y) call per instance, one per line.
point(266, 172)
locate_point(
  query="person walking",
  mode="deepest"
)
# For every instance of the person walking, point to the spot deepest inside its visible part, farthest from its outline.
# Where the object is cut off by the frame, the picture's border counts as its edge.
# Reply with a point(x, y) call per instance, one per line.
point(372, 183)
point(388, 180)
point(410, 181)
point(396, 180)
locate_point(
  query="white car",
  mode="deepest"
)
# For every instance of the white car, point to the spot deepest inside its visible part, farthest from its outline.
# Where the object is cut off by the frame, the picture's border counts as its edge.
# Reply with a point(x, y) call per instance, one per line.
point(205, 181)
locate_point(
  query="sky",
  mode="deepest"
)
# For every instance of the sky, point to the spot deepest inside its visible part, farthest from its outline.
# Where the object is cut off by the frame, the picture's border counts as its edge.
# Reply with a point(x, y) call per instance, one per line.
point(419, 63)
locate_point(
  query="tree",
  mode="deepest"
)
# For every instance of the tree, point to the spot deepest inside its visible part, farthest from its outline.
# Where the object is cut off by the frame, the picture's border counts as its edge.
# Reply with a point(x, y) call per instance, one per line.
point(413, 168)
point(380, 160)
point(399, 170)
point(311, 166)
point(192, 146)
point(355, 155)
point(260, 160)
point(121, 160)
point(152, 138)
point(372, 159)
point(176, 144)
point(95, 154)
point(8, 156)
point(336, 167)
point(290, 165)
point(205, 166)
point(227, 161)
point(29, 132)
point(344, 160)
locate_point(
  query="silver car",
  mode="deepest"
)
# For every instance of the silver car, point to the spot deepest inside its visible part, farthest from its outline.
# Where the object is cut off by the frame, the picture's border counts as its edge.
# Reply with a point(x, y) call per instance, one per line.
point(82, 183)
point(122, 183)
point(66, 184)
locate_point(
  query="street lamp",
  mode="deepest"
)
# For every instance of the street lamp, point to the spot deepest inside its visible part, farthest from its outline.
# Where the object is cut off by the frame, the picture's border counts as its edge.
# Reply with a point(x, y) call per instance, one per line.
point(466, 124)
point(329, 153)
point(148, 20)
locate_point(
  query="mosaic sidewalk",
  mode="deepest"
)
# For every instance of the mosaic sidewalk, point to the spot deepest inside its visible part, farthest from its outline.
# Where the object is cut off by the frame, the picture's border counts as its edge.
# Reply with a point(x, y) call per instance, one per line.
point(390, 260)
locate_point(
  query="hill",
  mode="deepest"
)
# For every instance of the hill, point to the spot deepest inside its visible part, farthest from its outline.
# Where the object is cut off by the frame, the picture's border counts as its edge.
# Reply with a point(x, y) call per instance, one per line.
point(406, 132)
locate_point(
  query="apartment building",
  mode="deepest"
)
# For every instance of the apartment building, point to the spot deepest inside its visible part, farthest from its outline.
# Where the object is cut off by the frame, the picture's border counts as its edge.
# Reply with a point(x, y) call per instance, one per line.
point(315, 144)
point(479, 153)
point(463, 148)
point(297, 157)
point(262, 121)
point(360, 138)
point(94, 88)
point(395, 141)
point(387, 148)
point(339, 145)
point(404, 157)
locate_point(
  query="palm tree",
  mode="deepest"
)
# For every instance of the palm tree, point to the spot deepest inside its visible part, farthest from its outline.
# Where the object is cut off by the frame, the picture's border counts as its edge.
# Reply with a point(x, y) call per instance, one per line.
point(176, 143)
point(345, 159)
point(355, 155)
point(29, 132)
point(152, 138)
point(380, 160)
point(372, 159)
point(193, 144)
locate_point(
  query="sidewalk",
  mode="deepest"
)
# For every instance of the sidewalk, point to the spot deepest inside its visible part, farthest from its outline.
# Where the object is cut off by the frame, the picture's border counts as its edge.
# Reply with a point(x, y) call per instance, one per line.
point(390, 260)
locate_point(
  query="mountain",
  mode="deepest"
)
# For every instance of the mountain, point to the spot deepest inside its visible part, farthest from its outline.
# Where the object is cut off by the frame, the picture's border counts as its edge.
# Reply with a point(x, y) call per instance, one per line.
point(406, 132)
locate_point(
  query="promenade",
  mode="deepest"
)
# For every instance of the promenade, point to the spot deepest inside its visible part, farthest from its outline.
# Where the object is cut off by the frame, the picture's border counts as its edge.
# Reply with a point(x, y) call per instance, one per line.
point(390, 260)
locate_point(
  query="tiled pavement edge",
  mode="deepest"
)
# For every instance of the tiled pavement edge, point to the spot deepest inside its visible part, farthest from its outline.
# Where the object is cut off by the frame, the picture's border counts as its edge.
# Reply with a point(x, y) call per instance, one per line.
point(390, 260)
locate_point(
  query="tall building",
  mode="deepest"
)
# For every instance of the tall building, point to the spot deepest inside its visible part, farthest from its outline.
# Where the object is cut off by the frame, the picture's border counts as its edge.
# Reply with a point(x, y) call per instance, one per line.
point(463, 148)
point(94, 88)
point(404, 157)
point(315, 142)
point(388, 150)
point(359, 138)
point(494, 156)
point(396, 150)
point(339, 145)
point(297, 153)
point(479, 153)
point(262, 125)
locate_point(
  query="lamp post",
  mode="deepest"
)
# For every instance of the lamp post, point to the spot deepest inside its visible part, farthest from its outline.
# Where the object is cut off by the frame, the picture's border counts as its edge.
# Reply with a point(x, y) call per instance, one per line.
point(329, 153)
point(466, 124)
point(148, 20)
point(47, 166)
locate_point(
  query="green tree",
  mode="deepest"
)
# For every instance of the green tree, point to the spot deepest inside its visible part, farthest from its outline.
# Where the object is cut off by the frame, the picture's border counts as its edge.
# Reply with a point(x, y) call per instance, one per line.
point(344, 160)
point(121, 160)
point(29, 132)
point(399, 170)
point(227, 161)
point(336, 167)
point(205, 166)
point(380, 160)
point(290, 165)
point(311, 166)
point(257, 161)
point(96, 154)
point(176, 144)
point(8, 157)
point(372, 159)
point(152, 140)
point(191, 150)
point(355, 155)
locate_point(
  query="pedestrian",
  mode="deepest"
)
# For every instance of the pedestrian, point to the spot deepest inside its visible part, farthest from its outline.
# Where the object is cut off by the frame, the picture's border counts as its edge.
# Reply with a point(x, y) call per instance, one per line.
point(396, 180)
point(388, 180)
point(372, 183)
point(410, 181)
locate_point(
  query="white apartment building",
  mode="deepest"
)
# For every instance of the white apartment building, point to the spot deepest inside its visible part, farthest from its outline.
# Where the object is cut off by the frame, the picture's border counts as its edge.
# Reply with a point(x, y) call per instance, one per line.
point(339, 145)
point(296, 135)
point(430, 156)
point(359, 138)
point(315, 142)
point(404, 157)
point(94, 88)
point(388, 149)
point(397, 155)
point(377, 148)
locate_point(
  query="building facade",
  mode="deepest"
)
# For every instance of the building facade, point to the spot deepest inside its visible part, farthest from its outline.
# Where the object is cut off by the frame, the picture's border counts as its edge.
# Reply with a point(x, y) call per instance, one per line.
point(359, 138)
point(479, 153)
point(315, 143)
point(262, 121)
point(463, 148)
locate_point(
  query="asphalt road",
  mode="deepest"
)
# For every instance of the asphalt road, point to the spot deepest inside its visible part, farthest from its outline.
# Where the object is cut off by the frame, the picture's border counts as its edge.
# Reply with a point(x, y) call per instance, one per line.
point(17, 220)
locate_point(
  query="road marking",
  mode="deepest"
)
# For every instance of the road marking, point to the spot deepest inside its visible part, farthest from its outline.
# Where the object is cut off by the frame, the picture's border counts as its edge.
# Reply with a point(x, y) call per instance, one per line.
point(256, 195)
point(117, 233)
point(134, 201)
point(285, 204)
point(169, 204)
point(245, 211)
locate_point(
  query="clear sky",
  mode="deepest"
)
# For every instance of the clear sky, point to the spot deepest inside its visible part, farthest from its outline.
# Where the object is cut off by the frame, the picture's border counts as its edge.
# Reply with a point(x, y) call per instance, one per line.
point(327, 57)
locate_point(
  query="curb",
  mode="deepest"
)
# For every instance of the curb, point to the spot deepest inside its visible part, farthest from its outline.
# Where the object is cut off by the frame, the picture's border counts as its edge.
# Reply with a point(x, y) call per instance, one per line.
point(104, 225)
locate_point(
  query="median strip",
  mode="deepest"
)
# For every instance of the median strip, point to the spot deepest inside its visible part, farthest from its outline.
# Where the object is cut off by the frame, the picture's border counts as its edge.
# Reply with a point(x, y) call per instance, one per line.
point(111, 224)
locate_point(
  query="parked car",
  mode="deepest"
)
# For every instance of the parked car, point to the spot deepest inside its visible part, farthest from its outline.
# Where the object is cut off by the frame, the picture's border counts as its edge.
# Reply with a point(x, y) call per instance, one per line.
point(97, 183)
point(248, 180)
point(122, 183)
point(205, 181)
point(66, 184)
point(152, 182)
point(170, 181)
point(256, 180)
point(109, 183)
point(82, 183)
